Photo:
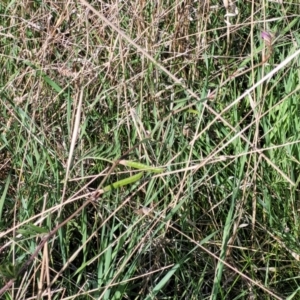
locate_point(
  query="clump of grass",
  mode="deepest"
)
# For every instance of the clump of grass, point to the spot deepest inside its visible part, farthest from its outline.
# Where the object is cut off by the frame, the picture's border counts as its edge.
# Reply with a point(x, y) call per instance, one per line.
point(149, 151)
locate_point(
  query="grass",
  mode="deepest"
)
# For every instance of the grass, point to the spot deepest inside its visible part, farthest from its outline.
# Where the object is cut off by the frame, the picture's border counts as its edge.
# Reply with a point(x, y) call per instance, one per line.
point(149, 151)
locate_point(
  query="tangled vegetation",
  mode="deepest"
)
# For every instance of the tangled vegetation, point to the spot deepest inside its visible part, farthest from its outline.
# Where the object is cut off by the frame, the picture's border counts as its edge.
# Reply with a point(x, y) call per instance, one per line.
point(149, 149)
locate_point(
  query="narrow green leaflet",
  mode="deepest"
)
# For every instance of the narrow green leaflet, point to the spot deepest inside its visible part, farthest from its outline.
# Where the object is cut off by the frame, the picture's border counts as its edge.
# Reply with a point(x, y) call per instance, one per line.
point(123, 182)
point(163, 282)
point(139, 166)
point(30, 230)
